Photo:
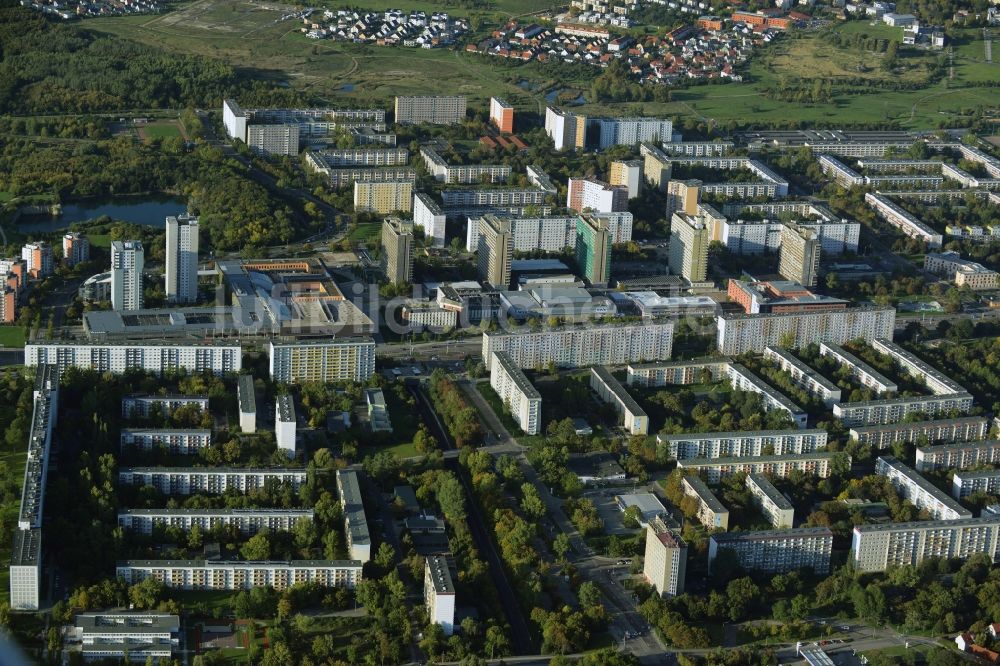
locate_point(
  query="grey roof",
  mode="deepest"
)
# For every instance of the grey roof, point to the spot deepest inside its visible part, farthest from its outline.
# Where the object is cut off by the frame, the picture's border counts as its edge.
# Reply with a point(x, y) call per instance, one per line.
point(246, 394)
point(286, 408)
point(714, 462)
point(917, 425)
point(440, 575)
point(213, 470)
point(928, 524)
point(802, 367)
point(209, 564)
point(774, 535)
point(615, 387)
point(791, 432)
point(27, 548)
point(958, 446)
point(772, 493)
point(705, 494)
point(517, 375)
point(134, 623)
point(913, 477)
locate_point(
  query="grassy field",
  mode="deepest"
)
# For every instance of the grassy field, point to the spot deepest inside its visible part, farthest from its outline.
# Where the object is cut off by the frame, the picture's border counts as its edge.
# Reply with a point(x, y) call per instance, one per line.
point(165, 130)
point(242, 33)
point(369, 232)
point(11, 336)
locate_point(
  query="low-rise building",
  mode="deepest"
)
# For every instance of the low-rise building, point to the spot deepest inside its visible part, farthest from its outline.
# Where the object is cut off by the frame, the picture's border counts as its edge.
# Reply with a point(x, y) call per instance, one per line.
point(359, 542)
point(516, 393)
point(742, 444)
point(175, 440)
point(240, 575)
point(950, 430)
point(131, 636)
point(880, 546)
point(634, 418)
point(963, 272)
point(919, 491)
point(378, 414)
point(665, 561)
point(715, 469)
point(959, 455)
point(775, 506)
point(776, 551)
point(711, 512)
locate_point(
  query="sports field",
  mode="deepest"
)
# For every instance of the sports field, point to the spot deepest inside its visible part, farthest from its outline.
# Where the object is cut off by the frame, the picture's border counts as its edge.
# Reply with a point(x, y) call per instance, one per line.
point(264, 40)
point(160, 130)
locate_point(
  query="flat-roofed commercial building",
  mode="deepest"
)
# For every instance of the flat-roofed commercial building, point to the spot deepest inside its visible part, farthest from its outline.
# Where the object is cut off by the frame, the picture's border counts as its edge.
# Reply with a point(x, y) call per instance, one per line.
point(776, 551)
point(805, 377)
point(878, 547)
point(738, 334)
point(715, 469)
point(359, 542)
point(439, 593)
point(950, 430)
point(919, 491)
point(581, 346)
point(247, 521)
point(240, 575)
point(775, 506)
point(517, 393)
point(247, 398)
point(964, 484)
point(634, 418)
point(711, 512)
point(744, 380)
point(430, 109)
point(345, 359)
point(665, 561)
point(963, 272)
point(176, 440)
point(865, 374)
point(742, 444)
point(157, 358)
point(211, 480)
point(131, 636)
point(959, 455)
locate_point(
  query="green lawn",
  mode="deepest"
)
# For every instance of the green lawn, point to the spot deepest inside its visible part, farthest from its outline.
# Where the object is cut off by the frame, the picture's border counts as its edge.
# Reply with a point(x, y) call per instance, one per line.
point(100, 240)
point(11, 336)
point(365, 232)
point(5, 196)
point(212, 599)
point(161, 130)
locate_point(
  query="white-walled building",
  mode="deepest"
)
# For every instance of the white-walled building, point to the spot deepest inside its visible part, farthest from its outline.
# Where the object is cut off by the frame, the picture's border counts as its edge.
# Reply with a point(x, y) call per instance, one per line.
point(157, 358)
point(429, 216)
point(516, 392)
point(776, 551)
point(919, 491)
point(240, 575)
point(715, 469)
point(665, 561)
point(247, 521)
point(132, 636)
point(179, 441)
point(285, 424)
point(742, 379)
point(439, 593)
point(775, 506)
point(865, 374)
point(960, 455)
point(711, 512)
point(804, 376)
point(211, 480)
point(740, 333)
point(182, 259)
point(964, 484)
point(142, 406)
point(878, 547)
point(962, 429)
point(634, 418)
point(127, 290)
point(581, 346)
point(742, 444)
point(351, 359)
point(359, 543)
point(246, 396)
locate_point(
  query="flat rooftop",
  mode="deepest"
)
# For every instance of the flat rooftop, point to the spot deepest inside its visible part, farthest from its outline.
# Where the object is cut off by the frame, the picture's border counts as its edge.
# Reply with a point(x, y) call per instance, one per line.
point(285, 405)
point(440, 576)
point(927, 524)
point(517, 376)
point(246, 394)
point(773, 494)
point(774, 535)
point(705, 494)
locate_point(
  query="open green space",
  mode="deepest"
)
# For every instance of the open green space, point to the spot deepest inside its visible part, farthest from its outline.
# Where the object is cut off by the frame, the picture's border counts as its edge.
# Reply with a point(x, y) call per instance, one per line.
point(161, 130)
point(368, 231)
point(11, 336)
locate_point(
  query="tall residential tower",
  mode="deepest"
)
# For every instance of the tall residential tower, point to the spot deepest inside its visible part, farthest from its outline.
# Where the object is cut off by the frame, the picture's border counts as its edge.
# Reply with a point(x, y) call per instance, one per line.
point(182, 259)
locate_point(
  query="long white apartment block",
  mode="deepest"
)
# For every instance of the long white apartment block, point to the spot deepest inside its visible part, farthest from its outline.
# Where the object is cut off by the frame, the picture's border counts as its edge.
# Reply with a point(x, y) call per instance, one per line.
point(179, 440)
point(239, 575)
point(581, 346)
point(346, 359)
point(958, 455)
point(919, 491)
point(895, 215)
point(761, 231)
point(744, 380)
point(962, 429)
point(26, 551)
point(878, 547)
point(865, 374)
point(775, 185)
point(247, 521)
point(324, 160)
point(775, 506)
point(126, 635)
point(553, 233)
point(678, 372)
point(737, 334)
point(156, 358)
point(634, 418)
point(804, 377)
point(938, 382)
point(775, 551)
point(439, 593)
point(711, 513)
point(964, 484)
point(462, 173)
point(665, 561)
point(893, 410)
point(429, 216)
point(143, 406)
point(844, 175)
point(211, 480)
point(743, 444)
point(697, 148)
point(359, 542)
point(518, 395)
point(715, 469)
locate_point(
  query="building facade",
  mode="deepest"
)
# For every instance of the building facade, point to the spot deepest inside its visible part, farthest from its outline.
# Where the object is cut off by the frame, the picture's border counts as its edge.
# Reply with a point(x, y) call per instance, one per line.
point(799, 254)
point(919, 491)
point(439, 593)
point(383, 197)
point(742, 444)
point(777, 551)
point(878, 547)
point(593, 249)
point(157, 358)
point(177, 441)
point(247, 521)
point(211, 480)
point(350, 359)
point(689, 240)
point(517, 393)
point(715, 469)
point(495, 251)
point(502, 115)
point(182, 259)
point(711, 513)
point(238, 575)
point(127, 290)
point(665, 561)
point(775, 506)
point(960, 455)
point(962, 429)
point(634, 418)
point(738, 334)
point(397, 251)
point(359, 542)
point(433, 110)
point(76, 248)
